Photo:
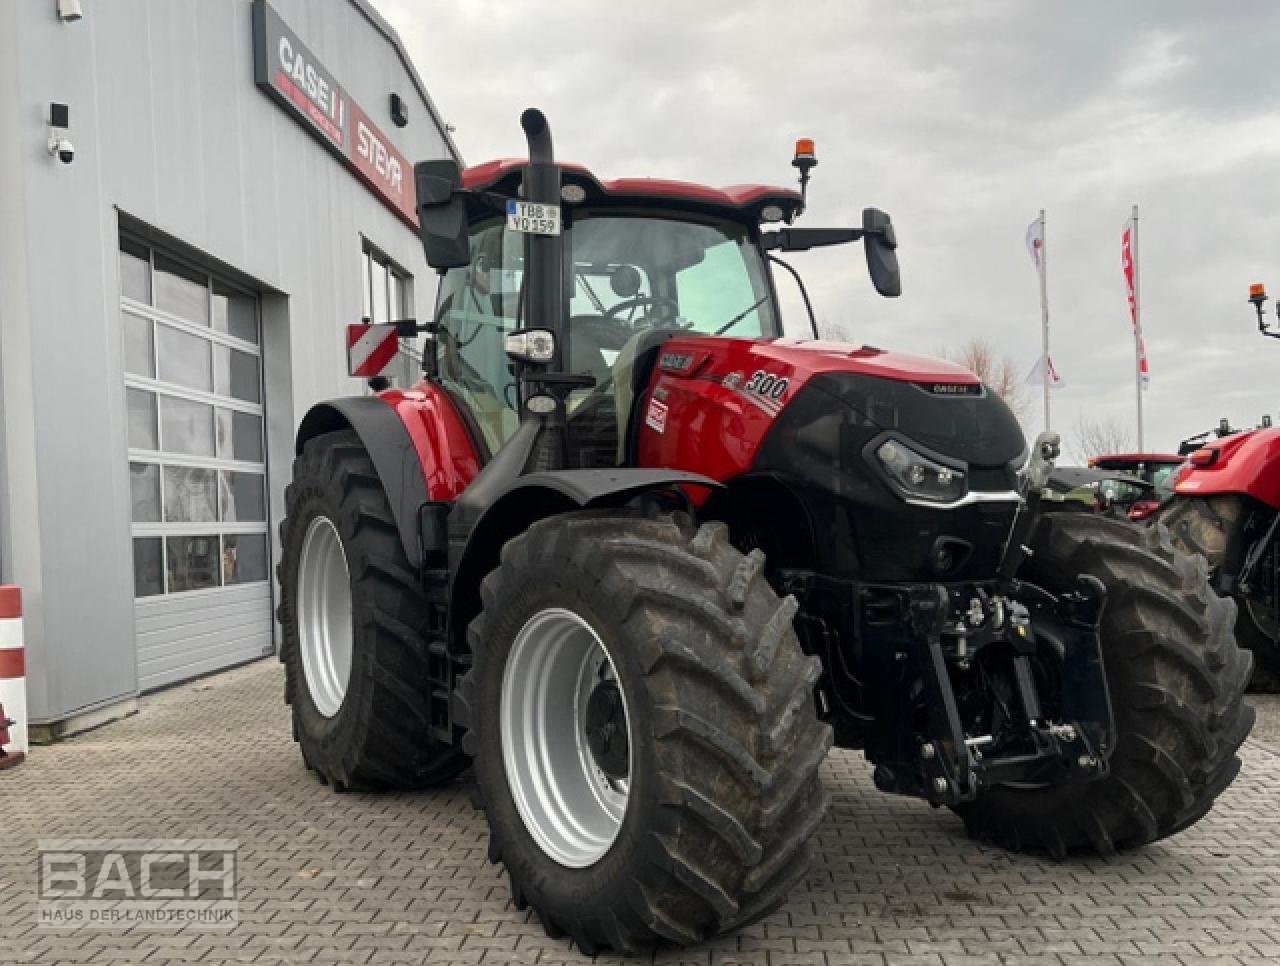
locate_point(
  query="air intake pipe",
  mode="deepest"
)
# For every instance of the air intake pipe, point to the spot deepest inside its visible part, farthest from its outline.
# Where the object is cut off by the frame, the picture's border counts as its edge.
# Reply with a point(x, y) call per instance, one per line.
point(544, 254)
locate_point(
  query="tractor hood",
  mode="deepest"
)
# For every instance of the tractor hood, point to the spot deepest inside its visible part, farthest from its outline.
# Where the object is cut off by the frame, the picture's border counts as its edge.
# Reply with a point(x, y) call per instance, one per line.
point(799, 360)
point(963, 422)
point(728, 396)
point(868, 360)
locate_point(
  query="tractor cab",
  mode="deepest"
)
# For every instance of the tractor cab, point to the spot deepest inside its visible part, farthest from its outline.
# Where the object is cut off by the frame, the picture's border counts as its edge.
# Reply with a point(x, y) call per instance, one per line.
point(638, 271)
point(639, 261)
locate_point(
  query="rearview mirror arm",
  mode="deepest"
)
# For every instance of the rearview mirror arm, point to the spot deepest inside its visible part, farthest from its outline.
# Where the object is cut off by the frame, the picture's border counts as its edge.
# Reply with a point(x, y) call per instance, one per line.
point(803, 239)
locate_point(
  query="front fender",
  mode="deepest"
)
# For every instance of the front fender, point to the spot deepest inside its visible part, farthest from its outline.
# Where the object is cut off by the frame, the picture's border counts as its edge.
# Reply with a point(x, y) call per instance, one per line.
point(476, 543)
point(417, 442)
point(1247, 463)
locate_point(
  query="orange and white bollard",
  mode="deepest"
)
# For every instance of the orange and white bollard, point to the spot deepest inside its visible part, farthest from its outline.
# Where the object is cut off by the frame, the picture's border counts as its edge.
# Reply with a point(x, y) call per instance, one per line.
point(13, 679)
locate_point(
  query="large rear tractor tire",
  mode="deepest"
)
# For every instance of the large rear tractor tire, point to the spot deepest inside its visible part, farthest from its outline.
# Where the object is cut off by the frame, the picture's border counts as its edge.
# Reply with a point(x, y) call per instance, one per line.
point(353, 613)
point(1176, 677)
point(1207, 526)
point(644, 733)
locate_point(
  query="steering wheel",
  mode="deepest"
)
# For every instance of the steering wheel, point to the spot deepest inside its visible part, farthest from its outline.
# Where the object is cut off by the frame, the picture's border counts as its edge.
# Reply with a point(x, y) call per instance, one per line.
point(643, 301)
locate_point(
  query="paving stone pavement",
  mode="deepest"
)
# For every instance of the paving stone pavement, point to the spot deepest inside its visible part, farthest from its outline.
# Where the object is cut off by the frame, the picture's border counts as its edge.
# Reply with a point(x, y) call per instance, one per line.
point(403, 878)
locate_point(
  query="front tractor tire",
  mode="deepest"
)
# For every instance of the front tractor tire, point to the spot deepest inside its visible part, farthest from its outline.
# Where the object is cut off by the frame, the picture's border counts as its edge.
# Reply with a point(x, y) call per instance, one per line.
point(1176, 678)
point(643, 728)
point(1210, 526)
point(353, 613)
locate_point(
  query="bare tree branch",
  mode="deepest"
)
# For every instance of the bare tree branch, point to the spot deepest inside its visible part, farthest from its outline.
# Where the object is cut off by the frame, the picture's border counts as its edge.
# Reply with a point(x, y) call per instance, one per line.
point(834, 331)
point(1094, 437)
point(998, 372)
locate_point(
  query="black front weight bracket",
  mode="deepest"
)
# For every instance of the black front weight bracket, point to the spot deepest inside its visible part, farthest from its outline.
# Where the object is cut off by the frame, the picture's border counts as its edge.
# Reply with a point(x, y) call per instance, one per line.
point(952, 769)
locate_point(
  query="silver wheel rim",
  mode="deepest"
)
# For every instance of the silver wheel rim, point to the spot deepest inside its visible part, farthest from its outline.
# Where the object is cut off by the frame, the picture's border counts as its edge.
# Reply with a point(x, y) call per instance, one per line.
point(570, 806)
point(324, 616)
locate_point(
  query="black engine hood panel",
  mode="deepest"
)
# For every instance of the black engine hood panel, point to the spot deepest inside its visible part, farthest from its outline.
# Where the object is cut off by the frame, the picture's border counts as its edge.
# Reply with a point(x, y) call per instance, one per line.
point(977, 428)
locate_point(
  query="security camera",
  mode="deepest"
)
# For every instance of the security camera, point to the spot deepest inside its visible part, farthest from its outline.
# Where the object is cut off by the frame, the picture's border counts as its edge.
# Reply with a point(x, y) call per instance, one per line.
point(59, 125)
point(63, 148)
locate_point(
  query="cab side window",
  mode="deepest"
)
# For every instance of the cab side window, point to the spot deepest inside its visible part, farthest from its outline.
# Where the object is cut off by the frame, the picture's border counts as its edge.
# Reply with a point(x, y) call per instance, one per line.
point(477, 305)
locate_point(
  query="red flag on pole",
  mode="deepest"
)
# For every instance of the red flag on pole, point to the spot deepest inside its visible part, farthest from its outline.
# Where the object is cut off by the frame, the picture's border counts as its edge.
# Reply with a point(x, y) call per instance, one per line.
point(1126, 260)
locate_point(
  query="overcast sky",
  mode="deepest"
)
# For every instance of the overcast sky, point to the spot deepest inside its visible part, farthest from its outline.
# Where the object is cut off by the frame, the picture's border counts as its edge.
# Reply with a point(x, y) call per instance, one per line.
point(962, 121)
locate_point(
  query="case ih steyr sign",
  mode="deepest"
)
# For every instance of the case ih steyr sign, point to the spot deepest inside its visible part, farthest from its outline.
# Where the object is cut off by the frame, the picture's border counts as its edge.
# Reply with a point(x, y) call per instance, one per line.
point(286, 69)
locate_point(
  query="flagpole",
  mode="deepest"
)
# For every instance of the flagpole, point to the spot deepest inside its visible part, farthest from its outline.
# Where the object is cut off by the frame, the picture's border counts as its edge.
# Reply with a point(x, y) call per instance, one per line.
point(1137, 329)
point(1044, 314)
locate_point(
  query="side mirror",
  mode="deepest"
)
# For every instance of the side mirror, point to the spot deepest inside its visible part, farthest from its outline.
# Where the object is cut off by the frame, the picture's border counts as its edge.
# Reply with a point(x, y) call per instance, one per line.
point(442, 213)
point(882, 257)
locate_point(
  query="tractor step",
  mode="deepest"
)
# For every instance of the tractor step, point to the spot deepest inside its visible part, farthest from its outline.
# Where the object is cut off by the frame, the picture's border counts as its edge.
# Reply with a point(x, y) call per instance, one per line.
point(442, 669)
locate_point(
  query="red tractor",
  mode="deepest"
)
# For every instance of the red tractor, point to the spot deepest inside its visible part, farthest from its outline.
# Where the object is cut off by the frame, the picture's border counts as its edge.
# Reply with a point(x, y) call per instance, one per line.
point(638, 560)
point(1158, 469)
point(1227, 507)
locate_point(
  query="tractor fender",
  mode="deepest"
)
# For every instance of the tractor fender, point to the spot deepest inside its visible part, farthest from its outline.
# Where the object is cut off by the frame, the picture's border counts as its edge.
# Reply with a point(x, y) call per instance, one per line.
point(608, 487)
point(418, 445)
point(476, 544)
point(1247, 463)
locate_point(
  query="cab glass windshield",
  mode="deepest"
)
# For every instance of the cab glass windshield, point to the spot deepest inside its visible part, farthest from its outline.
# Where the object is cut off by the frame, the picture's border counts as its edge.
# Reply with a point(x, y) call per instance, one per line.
point(629, 275)
point(1164, 477)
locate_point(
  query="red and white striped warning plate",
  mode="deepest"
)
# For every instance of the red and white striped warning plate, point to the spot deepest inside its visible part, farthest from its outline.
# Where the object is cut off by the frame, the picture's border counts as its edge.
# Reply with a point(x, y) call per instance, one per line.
point(13, 684)
point(370, 348)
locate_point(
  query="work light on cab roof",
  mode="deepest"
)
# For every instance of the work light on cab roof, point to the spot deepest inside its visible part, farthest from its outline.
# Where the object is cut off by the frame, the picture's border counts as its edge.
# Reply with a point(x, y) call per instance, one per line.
point(805, 160)
point(1258, 298)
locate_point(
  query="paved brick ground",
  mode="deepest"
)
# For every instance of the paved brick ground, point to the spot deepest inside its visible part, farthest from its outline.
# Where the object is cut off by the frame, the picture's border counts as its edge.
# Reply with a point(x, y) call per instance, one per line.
point(403, 878)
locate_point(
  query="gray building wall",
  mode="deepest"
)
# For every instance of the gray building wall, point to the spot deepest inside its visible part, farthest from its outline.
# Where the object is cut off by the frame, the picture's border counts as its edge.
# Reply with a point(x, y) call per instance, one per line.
point(170, 130)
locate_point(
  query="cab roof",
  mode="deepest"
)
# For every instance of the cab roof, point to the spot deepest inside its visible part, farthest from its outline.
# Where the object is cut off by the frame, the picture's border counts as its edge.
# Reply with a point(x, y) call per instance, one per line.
point(503, 175)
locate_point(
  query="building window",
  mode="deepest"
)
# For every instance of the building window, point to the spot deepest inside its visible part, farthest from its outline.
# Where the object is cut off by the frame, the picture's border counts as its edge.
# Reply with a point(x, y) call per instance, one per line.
point(197, 461)
point(388, 297)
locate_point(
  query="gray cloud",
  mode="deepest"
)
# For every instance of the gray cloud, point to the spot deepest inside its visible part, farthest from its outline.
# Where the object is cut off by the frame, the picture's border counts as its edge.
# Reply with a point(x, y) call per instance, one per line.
point(962, 120)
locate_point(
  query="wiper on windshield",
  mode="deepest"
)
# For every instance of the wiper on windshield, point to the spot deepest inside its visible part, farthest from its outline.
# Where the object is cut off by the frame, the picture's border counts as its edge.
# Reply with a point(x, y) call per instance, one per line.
point(740, 316)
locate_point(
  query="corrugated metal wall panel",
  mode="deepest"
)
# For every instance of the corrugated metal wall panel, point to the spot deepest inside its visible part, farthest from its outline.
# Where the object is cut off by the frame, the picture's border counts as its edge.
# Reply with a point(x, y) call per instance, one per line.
point(185, 635)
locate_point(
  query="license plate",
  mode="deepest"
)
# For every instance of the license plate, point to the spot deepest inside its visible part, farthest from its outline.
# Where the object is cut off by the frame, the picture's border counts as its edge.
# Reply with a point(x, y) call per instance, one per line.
point(533, 219)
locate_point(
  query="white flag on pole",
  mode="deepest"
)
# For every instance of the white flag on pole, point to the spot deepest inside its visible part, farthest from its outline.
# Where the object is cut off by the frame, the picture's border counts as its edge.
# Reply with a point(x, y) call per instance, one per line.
point(1035, 243)
point(1044, 372)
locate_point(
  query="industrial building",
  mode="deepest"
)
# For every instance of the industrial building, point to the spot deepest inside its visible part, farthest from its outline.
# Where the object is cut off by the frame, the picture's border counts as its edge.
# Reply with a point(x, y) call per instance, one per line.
point(196, 196)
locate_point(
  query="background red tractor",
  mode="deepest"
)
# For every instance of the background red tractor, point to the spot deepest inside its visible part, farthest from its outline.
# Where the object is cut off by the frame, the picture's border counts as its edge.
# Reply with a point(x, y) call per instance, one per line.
point(1157, 469)
point(638, 559)
point(1227, 507)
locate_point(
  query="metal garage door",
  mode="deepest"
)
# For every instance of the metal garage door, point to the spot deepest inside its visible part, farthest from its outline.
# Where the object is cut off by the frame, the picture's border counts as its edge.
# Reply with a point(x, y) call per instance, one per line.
point(197, 467)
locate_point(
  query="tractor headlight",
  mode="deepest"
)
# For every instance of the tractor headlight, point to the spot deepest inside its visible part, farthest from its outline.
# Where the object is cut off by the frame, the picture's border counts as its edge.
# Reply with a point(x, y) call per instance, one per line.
point(918, 477)
point(530, 345)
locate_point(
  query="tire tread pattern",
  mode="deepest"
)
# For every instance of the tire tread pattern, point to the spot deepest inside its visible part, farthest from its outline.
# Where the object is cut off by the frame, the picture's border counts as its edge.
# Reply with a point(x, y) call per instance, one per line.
point(733, 833)
point(1177, 680)
point(383, 737)
point(1205, 525)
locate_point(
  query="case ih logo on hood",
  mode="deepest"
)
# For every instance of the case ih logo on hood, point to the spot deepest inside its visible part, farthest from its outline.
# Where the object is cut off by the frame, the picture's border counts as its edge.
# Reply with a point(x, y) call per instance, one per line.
point(291, 74)
point(951, 388)
point(675, 362)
